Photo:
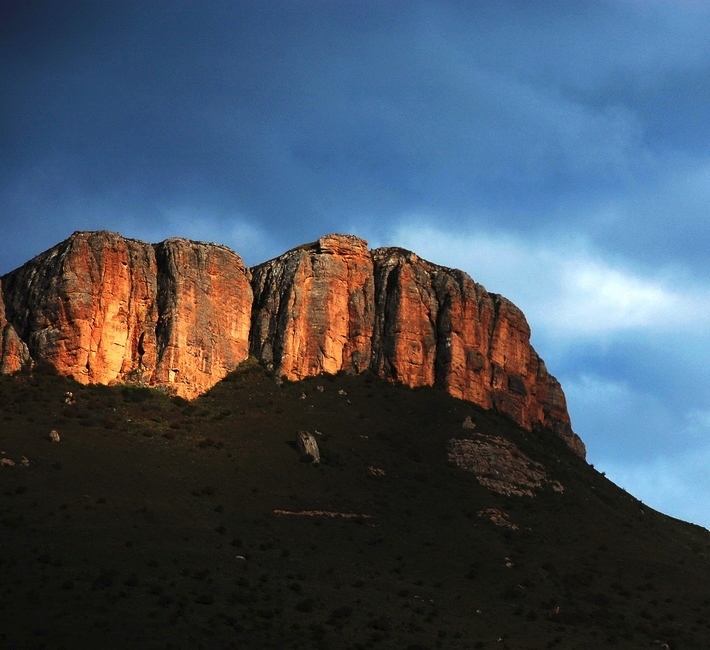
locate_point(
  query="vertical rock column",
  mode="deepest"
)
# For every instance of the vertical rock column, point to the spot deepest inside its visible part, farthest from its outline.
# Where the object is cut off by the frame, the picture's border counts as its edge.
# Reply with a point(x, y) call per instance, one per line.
point(432, 326)
point(405, 333)
point(87, 306)
point(314, 308)
point(204, 300)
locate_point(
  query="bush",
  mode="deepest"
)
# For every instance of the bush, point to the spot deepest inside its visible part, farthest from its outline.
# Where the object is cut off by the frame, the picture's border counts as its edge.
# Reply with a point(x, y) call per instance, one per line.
point(136, 394)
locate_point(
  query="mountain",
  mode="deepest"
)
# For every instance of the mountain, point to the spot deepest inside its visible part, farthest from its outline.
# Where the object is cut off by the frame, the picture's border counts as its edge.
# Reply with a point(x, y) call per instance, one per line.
point(181, 315)
point(102, 308)
point(130, 518)
point(157, 492)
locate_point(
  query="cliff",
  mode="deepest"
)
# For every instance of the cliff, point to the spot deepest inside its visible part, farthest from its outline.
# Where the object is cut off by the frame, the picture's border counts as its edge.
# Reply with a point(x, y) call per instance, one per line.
point(183, 314)
point(103, 308)
point(334, 306)
point(314, 308)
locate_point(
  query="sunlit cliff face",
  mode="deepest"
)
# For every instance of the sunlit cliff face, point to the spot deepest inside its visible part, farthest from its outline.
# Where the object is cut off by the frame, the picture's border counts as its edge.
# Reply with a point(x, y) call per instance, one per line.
point(183, 314)
point(336, 306)
point(103, 309)
point(314, 308)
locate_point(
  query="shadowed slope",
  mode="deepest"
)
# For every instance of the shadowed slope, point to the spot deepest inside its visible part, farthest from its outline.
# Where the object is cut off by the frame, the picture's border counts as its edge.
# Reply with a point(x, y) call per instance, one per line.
point(156, 522)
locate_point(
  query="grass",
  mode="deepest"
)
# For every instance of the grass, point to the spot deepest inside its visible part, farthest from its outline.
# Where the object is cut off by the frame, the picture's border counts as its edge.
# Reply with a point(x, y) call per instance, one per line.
point(113, 537)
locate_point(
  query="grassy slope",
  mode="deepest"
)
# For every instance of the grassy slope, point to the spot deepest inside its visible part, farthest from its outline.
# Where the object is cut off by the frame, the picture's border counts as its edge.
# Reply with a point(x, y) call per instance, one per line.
point(152, 524)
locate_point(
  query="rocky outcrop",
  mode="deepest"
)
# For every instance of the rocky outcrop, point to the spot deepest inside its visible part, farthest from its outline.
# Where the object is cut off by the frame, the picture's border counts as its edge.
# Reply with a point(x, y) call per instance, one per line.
point(204, 301)
point(104, 308)
point(314, 308)
point(334, 306)
point(14, 354)
point(86, 306)
point(500, 466)
point(182, 314)
point(435, 326)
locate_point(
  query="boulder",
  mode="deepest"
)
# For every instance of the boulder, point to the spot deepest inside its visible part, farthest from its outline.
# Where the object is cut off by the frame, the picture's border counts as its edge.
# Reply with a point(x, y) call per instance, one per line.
point(308, 447)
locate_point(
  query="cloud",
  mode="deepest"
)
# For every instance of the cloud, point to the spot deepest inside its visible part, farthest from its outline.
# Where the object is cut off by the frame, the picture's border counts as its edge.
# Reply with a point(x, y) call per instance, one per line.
point(598, 298)
point(644, 443)
point(565, 286)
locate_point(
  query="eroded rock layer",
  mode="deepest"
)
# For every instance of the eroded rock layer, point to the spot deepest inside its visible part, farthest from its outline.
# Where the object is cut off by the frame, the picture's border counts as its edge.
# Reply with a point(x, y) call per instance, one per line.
point(313, 308)
point(334, 306)
point(182, 314)
point(93, 308)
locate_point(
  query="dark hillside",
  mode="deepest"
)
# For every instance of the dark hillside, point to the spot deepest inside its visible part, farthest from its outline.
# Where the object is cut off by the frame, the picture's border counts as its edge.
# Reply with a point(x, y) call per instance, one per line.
point(155, 522)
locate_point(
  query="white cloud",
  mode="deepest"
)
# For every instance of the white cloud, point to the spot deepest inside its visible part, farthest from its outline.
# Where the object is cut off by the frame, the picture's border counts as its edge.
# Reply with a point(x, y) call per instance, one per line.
point(596, 298)
point(563, 285)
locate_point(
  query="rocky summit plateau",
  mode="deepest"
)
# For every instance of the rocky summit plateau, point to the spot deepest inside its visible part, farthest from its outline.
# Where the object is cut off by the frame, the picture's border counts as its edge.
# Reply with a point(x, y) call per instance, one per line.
point(180, 314)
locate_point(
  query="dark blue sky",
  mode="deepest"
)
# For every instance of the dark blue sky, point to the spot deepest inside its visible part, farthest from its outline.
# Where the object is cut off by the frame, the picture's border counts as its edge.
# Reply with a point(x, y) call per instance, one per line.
point(557, 151)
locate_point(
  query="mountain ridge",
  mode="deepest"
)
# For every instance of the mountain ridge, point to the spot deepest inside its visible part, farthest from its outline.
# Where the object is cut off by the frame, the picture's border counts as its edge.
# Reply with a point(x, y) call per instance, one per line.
point(182, 314)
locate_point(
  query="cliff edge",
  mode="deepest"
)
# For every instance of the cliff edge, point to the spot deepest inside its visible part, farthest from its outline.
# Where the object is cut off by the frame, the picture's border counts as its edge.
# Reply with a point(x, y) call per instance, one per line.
point(183, 314)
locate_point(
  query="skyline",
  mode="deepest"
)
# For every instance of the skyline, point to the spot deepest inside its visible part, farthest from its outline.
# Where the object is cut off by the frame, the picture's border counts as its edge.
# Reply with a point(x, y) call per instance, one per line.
point(557, 152)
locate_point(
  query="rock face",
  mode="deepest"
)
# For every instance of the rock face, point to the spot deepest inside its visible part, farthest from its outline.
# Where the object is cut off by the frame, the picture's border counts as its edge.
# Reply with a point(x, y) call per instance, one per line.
point(334, 306)
point(435, 326)
point(314, 308)
point(204, 304)
point(103, 308)
point(14, 354)
point(182, 314)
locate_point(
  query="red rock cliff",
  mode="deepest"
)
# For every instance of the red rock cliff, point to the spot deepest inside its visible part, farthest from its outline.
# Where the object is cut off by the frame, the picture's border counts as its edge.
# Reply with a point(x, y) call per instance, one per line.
point(182, 314)
point(103, 308)
point(204, 305)
point(435, 326)
point(333, 305)
point(314, 308)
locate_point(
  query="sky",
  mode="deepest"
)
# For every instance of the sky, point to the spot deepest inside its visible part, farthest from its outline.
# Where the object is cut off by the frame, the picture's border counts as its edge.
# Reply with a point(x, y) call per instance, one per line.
point(557, 151)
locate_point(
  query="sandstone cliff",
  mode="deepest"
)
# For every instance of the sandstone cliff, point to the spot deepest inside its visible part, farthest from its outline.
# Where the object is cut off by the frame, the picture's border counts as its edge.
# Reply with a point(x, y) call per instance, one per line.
point(103, 308)
point(204, 303)
point(182, 314)
point(435, 326)
point(334, 306)
point(313, 308)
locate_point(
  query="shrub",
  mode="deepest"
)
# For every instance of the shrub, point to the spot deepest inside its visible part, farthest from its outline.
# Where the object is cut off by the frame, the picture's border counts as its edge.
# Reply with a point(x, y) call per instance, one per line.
point(136, 393)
